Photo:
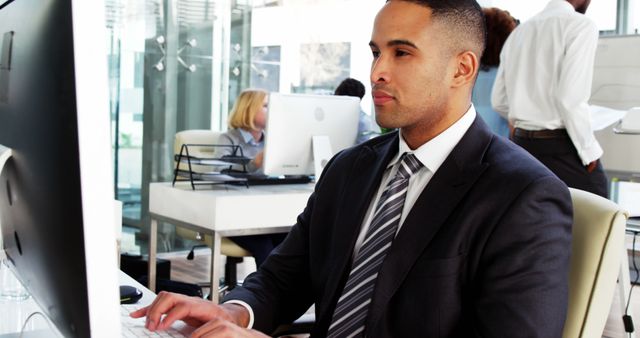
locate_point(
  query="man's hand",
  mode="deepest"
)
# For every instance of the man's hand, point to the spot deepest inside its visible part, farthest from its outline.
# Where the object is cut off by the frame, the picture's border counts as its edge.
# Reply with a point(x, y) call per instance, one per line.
point(222, 328)
point(192, 310)
point(592, 166)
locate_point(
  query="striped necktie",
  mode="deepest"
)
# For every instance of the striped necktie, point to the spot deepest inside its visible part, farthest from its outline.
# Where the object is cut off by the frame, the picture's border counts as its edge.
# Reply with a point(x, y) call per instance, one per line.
point(351, 311)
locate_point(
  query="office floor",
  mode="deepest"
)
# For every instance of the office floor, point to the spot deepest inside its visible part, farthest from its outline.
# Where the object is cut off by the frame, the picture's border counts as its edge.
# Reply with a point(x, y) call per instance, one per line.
point(614, 327)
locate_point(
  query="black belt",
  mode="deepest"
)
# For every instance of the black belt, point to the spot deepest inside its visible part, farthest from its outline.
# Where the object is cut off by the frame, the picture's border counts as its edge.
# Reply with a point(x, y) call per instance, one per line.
point(540, 134)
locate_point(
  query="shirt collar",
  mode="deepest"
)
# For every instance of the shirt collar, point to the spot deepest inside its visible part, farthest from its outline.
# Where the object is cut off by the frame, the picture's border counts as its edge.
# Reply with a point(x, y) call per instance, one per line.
point(433, 153)
point(248, 138)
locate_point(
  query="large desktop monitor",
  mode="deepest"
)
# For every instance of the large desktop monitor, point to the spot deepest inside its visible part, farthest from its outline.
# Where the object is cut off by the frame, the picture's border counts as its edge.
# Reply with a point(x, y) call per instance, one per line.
point(56, 187)
point(304, 131)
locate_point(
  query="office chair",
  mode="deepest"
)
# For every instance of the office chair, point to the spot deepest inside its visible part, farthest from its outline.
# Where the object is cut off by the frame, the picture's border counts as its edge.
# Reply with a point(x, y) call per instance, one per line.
point(596, 254)
point(233, 251)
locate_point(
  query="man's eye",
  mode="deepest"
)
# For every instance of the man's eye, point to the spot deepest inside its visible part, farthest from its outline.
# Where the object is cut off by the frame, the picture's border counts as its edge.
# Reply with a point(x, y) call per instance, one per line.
point(401, 53)
point(375, 53)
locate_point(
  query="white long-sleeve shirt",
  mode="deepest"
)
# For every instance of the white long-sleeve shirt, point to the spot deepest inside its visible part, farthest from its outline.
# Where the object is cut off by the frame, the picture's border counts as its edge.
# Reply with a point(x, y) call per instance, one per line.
point(545, 74)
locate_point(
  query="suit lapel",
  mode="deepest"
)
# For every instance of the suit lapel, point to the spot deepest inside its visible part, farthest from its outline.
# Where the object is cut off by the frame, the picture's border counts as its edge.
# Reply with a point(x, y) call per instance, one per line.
point(434, 205)
point(363, 181)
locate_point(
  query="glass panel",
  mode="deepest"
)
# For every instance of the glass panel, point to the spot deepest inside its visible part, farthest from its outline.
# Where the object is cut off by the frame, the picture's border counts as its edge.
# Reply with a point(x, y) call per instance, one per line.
point(194, 68)
point(168, 64)
point(265, 68)
point(239, 54)
point(126, 24)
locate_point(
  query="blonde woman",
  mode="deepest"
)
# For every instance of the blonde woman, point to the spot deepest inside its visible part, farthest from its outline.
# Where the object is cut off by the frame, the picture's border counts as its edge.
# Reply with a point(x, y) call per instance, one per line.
point(247, 121)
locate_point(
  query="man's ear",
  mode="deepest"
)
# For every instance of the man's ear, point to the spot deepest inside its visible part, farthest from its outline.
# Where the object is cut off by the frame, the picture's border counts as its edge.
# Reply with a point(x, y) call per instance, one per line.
point(467, 65)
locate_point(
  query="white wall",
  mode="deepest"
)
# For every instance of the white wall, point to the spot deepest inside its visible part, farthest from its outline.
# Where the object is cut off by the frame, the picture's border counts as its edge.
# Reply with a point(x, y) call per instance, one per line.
point(616, 84)
point(319, 22)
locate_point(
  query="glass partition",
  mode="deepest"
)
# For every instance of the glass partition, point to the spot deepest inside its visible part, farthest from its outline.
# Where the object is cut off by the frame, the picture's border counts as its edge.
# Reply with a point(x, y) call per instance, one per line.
point(168, 65)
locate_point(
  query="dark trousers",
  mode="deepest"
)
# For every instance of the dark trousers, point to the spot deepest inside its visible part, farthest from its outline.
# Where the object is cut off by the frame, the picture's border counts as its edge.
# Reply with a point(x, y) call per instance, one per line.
point(260, 246)
point(561, 157)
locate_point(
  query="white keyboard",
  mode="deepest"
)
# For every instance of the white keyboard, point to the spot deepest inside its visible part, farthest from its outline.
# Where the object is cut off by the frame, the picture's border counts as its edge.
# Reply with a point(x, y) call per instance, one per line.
point(134, 327)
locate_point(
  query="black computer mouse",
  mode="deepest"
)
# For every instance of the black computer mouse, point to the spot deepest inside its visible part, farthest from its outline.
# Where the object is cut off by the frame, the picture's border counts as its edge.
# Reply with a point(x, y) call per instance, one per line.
point(129, 294)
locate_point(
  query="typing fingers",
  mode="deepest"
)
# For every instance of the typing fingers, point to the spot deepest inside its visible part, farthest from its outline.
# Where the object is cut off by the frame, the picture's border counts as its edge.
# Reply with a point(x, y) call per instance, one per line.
point(164, 302)
point(139, 313)
point(177, 312)
point(220, 328)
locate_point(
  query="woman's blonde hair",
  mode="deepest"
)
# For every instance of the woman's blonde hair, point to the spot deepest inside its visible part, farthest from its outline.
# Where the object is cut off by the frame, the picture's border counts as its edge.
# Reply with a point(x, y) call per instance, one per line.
point(244, 110)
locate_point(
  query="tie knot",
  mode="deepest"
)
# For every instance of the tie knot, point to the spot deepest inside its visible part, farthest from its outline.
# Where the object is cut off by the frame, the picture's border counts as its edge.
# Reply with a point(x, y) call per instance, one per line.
point(409, 165)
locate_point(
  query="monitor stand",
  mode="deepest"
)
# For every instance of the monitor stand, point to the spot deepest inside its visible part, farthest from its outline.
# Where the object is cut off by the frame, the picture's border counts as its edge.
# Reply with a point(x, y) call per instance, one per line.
point(322, 153)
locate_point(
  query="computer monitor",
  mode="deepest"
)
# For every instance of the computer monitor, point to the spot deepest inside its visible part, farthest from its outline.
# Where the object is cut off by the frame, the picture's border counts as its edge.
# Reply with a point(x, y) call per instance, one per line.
point(293, 120)
point(56, 188)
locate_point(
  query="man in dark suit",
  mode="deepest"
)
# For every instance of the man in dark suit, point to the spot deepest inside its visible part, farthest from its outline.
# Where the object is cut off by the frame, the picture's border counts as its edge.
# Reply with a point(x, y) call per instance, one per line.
point(438, 230)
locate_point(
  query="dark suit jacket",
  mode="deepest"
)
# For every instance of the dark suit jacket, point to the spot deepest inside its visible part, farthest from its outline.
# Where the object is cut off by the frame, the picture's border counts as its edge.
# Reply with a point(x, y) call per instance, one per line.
point(484, 251)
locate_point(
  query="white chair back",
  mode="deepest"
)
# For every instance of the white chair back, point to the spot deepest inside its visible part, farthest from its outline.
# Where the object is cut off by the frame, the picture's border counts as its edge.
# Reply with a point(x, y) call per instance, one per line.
point(597, 246)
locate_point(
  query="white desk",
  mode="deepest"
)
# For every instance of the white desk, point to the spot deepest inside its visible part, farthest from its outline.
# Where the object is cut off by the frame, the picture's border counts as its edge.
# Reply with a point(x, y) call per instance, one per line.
point(13, 314)
point(223, 211)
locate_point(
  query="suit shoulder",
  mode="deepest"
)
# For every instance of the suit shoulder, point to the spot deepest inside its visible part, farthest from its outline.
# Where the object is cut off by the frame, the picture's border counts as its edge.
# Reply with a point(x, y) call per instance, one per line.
point(373, 144)
point(513, 163)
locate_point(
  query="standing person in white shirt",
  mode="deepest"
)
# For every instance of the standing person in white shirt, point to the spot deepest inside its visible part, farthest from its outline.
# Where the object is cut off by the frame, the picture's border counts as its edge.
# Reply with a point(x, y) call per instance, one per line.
point(542, 87)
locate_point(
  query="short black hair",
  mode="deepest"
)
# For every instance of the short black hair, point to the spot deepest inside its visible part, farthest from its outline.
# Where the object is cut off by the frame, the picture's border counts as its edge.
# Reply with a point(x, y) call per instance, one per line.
point(465, 21)
point(350, 87)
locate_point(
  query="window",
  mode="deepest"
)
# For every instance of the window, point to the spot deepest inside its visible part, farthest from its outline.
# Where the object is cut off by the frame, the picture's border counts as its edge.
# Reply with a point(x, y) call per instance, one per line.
point(604, 13)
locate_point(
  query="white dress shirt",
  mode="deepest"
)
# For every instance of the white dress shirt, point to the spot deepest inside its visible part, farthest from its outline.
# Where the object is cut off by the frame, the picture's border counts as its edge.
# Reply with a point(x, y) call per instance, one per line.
point(431, 154)
point(545, 74)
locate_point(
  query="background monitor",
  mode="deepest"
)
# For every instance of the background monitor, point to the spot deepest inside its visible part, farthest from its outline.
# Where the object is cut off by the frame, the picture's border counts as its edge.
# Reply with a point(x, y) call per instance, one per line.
point(56, 190)
point(292, 122)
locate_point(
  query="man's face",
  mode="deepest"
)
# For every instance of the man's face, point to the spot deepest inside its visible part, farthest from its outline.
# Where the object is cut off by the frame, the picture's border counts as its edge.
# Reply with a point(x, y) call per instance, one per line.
point(409, 69)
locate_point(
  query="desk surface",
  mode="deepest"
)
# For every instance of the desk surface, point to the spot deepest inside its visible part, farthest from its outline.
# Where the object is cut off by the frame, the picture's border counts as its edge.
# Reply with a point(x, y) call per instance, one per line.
point(228, 208)
point(223, 211)
point(14, 313)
